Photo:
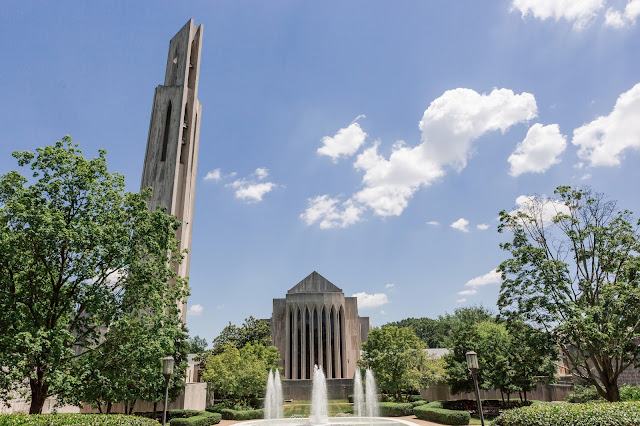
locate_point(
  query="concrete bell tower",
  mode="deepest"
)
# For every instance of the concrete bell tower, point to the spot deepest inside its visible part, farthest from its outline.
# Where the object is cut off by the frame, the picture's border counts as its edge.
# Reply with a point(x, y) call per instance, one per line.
point(171, 158)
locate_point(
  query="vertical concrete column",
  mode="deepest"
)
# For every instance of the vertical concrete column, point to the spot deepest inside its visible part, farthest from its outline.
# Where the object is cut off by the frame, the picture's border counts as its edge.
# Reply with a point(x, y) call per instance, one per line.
point(303, 334)
point(295, 342)
point(320, 362)
point(336, 340)
point(287, 339)
point(311, 340)
point(343, 344)
point(329, 369)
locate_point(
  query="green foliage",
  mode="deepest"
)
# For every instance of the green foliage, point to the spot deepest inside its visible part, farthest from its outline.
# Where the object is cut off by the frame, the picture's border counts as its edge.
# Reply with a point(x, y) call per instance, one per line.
point(202, 419)
point(630, 393)
point(574, 269)
point(252, 331)
point(77, 253)
point(419, 402)
point(240, 374)
point(73, 419)
point(398, 361)
point(196, 345)
point(439, 415)
point(414, 398)
point(229, 414)
point(601, 414)
point(395, 409)
point(583, 394)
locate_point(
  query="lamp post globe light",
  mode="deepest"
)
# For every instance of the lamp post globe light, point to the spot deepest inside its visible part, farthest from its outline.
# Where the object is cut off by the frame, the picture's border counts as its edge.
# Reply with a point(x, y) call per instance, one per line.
point(472, 364)
point(167, 371)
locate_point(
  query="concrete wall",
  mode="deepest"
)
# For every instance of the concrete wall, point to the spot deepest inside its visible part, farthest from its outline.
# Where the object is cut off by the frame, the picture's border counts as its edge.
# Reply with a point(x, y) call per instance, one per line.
point(542, 392)
point(298, 390)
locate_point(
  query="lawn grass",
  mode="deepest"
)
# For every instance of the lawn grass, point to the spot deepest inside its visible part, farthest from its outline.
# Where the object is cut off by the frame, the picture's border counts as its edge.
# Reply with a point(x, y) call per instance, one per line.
point(303, 408)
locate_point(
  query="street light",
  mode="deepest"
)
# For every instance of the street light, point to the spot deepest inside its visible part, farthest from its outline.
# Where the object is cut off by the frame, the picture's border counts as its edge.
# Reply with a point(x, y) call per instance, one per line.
point(167, 371)
point(472, 364)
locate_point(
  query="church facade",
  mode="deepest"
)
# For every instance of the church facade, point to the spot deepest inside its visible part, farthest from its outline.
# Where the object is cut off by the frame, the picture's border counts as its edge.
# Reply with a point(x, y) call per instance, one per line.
point(315, 324)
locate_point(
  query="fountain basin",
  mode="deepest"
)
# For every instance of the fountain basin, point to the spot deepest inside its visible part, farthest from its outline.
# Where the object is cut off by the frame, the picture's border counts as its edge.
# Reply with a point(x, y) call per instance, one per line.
point(333, 421)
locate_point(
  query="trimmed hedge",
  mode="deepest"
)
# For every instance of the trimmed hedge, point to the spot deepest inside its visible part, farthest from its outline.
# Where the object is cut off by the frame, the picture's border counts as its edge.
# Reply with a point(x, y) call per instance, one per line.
point(216, 408)
point(431, 412)
point(171, 414)
point(65, 419)
point(600, 414)
point(204, 419)
point(229, 414)
point(419, 402)
point(472, 404)
point(416, 398)
point(395, 409)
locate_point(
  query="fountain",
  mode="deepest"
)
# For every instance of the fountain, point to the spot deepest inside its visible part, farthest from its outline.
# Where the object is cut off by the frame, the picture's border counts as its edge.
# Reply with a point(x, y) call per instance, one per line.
point(366, 408)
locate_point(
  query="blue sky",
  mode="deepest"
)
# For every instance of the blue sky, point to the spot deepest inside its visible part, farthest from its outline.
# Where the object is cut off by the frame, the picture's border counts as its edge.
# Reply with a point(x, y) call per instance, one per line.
point(343, 137)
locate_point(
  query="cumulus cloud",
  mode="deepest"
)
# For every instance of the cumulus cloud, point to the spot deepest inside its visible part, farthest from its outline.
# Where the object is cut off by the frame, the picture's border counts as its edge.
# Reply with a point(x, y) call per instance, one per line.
point(470, 292)
point(603, 141)
point(621, 19)
point(366, 300)
point(461, 300)
point(482, 226)
point(330, 212)
point(251, 189)
point(492, 277)
point(344, 143)
point(213, 175)
point(389, 286)
point(195, 310)
point(461, 224)
point(538, 151)
point(433, 223)
point(261, 173)
point(580, 13)
point(449, 126)
point(540, 208)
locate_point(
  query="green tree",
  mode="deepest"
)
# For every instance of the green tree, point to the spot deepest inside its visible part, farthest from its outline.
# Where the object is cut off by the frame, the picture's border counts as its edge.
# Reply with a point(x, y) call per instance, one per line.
point(197, 345)
point(239, 375)
point(398, 360)
point(77, 252)
point(573, 272)
point(251, 331)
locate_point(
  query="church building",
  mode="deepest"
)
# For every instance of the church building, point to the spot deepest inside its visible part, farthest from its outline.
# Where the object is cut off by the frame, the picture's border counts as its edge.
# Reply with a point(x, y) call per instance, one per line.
point(315, 324)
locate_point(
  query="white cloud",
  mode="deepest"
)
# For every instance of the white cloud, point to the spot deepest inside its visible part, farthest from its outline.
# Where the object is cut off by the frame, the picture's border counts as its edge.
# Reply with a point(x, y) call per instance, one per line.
point(344, 143)
point(220, 307)
point(213, 175)
point(433, 223)
point(603, 141)
point(538, 151)
point(461, 224)
point(482, 226)
point(371, 300)
point(382, 312)
point(252, 192)
point(389, 286)
point(539, 208)
point(449, 126)
point(493, 277)
point(461, 300)
point(467, 292)
point(261, 173)
point(329, 214)
point(616, 19)
point(195, 310)
point(579, 12)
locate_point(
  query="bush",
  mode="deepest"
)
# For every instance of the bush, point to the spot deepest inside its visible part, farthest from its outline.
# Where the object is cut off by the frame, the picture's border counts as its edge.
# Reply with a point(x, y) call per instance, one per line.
point(395, 409)
point(350, 398)
point(74, 419)
point(472, 404)
point(416, 398)
point(420, 402)
point(630, 393)
point(583, 394)
point(216, 408)
point(203, 419)
point(429, 412)
point(229, 414)
point(601, 414)
point(171, 414)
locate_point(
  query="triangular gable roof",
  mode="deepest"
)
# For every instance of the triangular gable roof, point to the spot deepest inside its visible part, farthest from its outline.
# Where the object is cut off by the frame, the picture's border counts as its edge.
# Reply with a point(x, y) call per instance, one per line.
point(315, 283)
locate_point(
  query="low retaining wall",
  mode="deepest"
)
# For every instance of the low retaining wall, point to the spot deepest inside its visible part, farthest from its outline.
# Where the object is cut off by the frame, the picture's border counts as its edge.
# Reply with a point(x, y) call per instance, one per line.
point(301, 389)
point(542, 392)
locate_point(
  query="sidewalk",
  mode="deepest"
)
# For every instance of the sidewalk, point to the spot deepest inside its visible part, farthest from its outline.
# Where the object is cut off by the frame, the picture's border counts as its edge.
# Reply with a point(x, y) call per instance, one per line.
point(412, 419)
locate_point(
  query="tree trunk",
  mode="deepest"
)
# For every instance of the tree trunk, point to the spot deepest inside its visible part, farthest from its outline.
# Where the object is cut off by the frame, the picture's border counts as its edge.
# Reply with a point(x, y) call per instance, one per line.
point(133, 403)
point(155, 407)
point(525, 395)
point(613, 392)
point(99, 406)
point(109, 407)
point(39, 389)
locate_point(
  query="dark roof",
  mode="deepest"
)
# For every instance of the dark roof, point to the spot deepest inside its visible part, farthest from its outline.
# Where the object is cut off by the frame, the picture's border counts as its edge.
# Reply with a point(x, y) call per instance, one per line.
point(315, 283)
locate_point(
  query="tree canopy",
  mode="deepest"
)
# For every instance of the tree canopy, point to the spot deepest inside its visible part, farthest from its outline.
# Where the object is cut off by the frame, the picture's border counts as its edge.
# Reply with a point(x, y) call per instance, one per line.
point(77, 253)
point(573, 272)
point(251, 331)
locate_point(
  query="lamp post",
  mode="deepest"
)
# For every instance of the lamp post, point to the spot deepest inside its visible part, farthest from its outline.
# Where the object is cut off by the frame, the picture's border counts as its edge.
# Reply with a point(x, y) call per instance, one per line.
point(167, 371)
point(472, 364)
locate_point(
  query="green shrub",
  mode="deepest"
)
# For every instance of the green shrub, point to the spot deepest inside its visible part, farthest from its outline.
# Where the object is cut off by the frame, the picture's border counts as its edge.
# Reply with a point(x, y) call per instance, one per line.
point(216, 408)
point(419, 402)
point(416, 398)
point(171, 414)
point(583, 394)
point(229, 414)
point(395, 409)
point(434, 404)
point(203, 419)
point(350, 398)
point(430, 413)
point(600, 414)
point(67, 419)
point(630, 393)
